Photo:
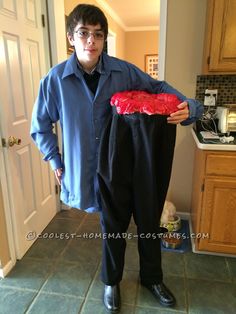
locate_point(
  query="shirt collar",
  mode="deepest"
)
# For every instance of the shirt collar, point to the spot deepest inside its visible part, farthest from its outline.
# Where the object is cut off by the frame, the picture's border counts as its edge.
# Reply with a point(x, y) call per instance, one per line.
point(108, 64)
point(97, 68)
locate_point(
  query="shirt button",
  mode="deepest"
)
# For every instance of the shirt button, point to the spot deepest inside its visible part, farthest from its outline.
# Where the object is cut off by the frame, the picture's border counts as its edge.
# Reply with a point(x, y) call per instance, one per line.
point(97, 138)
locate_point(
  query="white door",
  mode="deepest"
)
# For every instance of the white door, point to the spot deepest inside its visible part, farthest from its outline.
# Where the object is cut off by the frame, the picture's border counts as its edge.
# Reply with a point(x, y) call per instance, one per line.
point(22, 64)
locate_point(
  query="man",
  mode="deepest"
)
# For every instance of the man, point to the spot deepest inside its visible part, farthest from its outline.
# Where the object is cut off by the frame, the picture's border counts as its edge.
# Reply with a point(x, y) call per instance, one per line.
point(77, 93)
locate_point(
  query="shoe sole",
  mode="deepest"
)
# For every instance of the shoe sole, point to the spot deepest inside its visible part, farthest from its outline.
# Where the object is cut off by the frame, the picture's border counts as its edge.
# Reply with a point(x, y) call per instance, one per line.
point(112, 311)
point(165, 304)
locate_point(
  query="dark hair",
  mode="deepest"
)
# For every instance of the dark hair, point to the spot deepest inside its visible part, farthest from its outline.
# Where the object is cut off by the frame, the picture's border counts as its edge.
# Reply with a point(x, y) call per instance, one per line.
point(86, 14)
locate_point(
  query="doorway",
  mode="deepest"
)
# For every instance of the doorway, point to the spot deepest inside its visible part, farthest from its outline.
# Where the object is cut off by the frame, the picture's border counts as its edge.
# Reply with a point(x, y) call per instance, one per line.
point(27, 182)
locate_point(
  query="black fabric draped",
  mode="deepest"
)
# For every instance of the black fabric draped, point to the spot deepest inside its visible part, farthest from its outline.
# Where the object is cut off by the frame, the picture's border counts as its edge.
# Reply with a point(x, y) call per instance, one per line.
point(134, 169)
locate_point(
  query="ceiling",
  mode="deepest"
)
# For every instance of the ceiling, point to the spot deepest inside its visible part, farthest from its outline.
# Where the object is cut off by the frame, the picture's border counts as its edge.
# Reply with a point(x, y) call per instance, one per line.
point(133, 14)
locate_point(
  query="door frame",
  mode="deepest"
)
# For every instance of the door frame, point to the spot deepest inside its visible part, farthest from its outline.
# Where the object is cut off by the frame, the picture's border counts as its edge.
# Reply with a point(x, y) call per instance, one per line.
point(6, 195)
point(53, 30)
point(162, 40)
point(111, 43)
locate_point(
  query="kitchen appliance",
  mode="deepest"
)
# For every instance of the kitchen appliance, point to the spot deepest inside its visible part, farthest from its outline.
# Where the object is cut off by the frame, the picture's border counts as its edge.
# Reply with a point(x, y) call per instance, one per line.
point(226, 118)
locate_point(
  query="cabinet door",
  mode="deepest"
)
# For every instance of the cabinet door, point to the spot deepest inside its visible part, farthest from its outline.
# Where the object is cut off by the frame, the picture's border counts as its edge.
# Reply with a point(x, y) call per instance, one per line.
point(222, 57)
point(219, 216)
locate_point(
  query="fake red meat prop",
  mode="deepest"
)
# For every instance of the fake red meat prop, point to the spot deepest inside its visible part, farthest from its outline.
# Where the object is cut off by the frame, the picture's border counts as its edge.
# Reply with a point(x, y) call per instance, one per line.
point(140, 101)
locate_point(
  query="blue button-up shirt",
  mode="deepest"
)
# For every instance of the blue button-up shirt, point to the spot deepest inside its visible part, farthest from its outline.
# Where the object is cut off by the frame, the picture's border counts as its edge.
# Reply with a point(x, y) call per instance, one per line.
point(64, 96)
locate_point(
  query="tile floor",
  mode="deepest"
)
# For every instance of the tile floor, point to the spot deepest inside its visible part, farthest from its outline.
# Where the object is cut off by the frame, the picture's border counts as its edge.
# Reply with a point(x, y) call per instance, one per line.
point(62, 276)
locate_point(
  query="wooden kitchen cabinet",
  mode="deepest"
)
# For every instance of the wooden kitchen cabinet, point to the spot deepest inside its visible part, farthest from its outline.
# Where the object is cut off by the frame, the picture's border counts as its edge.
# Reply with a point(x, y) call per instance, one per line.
point(220, 38)
point(213, 209)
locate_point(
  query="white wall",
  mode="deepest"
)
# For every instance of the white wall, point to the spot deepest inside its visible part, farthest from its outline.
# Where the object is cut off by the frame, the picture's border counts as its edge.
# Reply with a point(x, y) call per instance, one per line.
point(183, 61)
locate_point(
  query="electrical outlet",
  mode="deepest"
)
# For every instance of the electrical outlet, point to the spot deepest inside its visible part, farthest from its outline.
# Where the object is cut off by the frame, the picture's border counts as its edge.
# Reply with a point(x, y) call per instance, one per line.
point(210, 97)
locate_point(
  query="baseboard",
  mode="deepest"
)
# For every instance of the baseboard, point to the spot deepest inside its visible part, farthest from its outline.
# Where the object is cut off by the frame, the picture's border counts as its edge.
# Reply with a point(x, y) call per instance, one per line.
point(6, 269)
point(183, 215)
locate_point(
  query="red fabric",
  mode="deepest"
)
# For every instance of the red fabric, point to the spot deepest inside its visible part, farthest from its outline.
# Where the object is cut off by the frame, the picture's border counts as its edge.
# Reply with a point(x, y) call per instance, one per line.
point(140, 101)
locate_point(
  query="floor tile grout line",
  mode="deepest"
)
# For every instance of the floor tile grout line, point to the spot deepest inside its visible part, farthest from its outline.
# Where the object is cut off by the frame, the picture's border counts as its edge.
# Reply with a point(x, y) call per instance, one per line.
point(61, 294)
point(57, 261)
point(123, 303)
point(91, 283)
point(53, 267)
point(215, 280)
point(41, 287)
point(82, 222)
point(136, 296)
point(70, 240)
point(229, 270)
point(40, 290)
point(18, 288)
point(186, 285)
point(39, 259)
point(133, 307)
point(210, 280)
point(171, 310)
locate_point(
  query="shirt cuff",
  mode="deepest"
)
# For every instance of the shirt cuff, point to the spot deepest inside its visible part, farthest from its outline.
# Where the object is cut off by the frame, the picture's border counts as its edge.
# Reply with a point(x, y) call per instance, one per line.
point(192, 108)
point(55, 162)
point(194, 111)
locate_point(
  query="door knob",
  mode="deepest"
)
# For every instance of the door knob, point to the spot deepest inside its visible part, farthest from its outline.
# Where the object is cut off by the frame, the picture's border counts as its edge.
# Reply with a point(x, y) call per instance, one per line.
point(11, 141)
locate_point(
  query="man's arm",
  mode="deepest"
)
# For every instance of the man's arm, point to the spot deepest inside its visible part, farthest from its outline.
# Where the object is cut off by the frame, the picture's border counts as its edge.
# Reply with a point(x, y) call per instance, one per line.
point(44, 115)
point(190, 109)
point(186, 115)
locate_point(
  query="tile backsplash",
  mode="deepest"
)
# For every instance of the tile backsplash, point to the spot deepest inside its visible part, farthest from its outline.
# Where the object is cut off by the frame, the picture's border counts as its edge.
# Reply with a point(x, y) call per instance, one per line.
point(225, 84)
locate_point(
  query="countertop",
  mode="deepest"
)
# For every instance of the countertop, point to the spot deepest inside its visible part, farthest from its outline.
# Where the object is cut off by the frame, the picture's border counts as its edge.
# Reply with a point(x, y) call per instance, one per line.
point(212, 145)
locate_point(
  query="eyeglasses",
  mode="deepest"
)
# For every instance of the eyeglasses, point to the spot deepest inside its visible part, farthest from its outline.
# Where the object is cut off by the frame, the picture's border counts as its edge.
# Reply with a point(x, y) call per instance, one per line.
point(98, 35)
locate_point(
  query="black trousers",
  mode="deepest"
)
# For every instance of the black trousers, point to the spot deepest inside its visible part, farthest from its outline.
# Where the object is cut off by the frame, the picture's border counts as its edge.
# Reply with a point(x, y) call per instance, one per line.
point(134, 169)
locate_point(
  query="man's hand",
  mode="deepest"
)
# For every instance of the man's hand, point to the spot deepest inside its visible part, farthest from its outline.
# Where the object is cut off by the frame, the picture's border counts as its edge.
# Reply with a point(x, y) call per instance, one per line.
point(180, 115)
point(58, 174)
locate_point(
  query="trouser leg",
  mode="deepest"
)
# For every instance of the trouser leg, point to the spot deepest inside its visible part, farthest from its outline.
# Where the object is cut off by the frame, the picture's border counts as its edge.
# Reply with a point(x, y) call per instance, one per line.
point(134, 172)
point(114, 177)
point(153, 145)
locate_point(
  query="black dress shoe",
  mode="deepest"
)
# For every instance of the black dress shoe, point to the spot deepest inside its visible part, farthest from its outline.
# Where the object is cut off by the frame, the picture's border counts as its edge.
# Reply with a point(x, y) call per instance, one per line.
point(111, 298)
point(162, 293)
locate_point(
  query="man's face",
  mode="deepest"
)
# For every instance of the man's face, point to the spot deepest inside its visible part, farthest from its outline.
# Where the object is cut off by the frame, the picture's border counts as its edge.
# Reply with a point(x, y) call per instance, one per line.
point(88, 41)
